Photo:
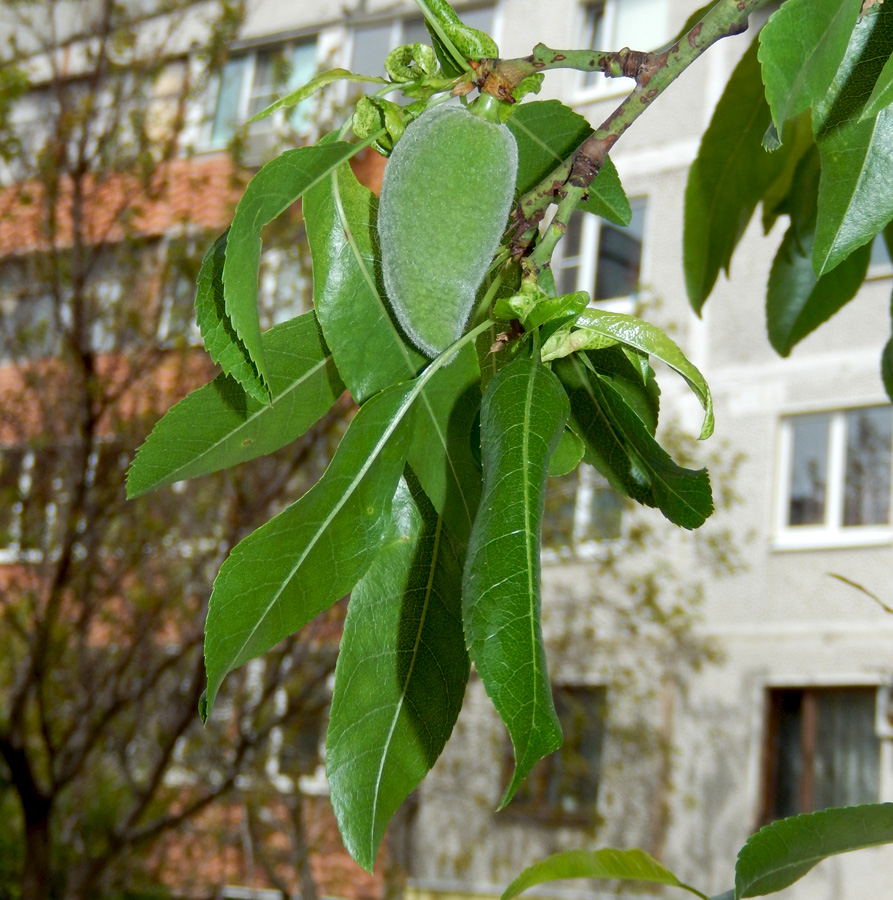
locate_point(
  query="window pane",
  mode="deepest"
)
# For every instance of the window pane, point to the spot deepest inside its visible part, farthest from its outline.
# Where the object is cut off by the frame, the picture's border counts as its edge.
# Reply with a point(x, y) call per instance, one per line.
point(594, 38)
point(847, 749)
point(619, 264)
point(809, 469)
point(226, 113)
point(482, 18)
point(303, 68)
point(787, 754)
point(868, 443)
point(27, 327)
point(565, 784)
point(880, 255)
point(415, 32)
point(606, 515)
point(573, 787)
point(640, 24)
point(371, 44)
point(823, 750)
point(263, 85)
point(11, 461)
point(560, 507)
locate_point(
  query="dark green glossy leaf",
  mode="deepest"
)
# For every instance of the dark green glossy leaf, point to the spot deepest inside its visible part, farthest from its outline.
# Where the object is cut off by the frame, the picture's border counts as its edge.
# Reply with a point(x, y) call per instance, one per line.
point(778, 196)
point(797, 302)
point(350, 302)
point(401, 674)
point(218, 425)
point(314, 552)
point(628, 865)
point(642, 395)
point(219, 336)
point(272, 190)
point(597, 328)
point(856, 190)
point(620, 445)
point(567, 455)
point(784, 851)
point(801, 48)
point(523, 413)
point(729, 177)
point(547, 132)
point(441, 454)
point(882, 94)
point(887, 368)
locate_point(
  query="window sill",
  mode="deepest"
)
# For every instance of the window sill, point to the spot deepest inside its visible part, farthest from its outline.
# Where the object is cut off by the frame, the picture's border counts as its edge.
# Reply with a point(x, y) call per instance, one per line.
point(827, 539)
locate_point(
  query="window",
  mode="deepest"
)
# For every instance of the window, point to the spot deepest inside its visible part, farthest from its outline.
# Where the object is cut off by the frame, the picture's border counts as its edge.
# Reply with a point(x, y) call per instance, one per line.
point(599, 257)
point(563, 787)
point(251, 82)
point(821, 750)
point(371, 43)
point(28, 328)
point(835, 476)
point(33, 484)
point(879, 263)
point(285, 289)
point(615, 24)
point(581, 510)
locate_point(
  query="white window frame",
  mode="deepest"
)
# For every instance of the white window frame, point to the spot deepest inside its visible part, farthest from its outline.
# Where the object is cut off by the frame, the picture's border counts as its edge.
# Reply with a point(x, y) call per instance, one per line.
point(832, 533)
point(604, 87)
point(590, 237)
point(274, 123)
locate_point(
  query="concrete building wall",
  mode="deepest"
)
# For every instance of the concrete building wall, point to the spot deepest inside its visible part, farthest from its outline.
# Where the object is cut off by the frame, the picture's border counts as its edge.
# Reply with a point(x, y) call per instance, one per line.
point(684, 758)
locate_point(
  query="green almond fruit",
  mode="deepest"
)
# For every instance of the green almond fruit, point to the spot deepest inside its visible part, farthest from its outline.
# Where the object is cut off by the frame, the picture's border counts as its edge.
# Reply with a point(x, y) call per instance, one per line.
point(446, 195)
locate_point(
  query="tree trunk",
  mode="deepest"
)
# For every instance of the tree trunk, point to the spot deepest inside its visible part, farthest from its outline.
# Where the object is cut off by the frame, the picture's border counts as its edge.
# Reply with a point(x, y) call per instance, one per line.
point(36, 869)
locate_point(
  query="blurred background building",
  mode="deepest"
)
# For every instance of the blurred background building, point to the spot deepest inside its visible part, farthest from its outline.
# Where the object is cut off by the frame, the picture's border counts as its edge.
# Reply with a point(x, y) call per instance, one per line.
point(707, 683)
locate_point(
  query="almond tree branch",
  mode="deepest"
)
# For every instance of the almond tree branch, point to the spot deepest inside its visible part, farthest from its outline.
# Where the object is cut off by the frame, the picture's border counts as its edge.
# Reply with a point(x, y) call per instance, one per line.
point(653, 73)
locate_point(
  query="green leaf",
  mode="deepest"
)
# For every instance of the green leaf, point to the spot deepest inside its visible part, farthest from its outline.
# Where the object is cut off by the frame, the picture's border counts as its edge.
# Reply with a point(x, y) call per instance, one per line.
point(620, 445)
point(221, 341)
point(801, 48)
point(567, 454)
point(887, 368)
point(454, 41)
point(856, 189)
point(314, 552)
point(727, 180)
point(218, 425)
point(272, 190)
point(777, 197)
point(642, 395)
point(441, 454)
point(628, 865)
point(400, 677)
point(350, 302)
point(882, 94)
point(523, 413)
point(796, 301)
point(856, 193)
point(596, 326)
point(312, 86)
point(784, 851)
point(547, 132)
